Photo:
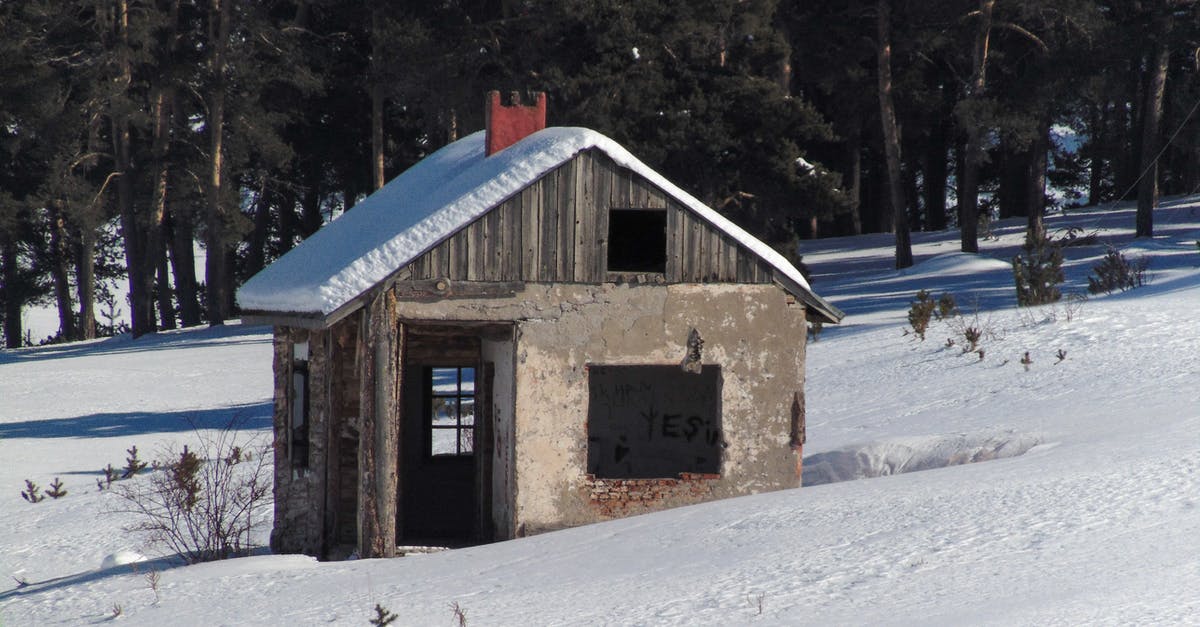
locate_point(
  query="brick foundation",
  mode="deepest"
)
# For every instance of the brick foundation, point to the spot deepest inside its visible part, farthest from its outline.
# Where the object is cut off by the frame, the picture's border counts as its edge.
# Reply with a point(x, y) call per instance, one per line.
point(614, 498)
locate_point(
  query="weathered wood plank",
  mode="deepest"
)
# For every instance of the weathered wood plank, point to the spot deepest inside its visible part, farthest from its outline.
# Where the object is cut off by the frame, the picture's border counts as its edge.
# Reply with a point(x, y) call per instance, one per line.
point(745, 267)
point(604, 175)
point(491, 244)
point(530, 232)
point(585, 211)
point(457, 252)
point(567, 225)
point(548, 219)
point(696, 252)
point(477, 258)
point(729, 269)
point(672, 271)
point(510, 223)
point(712, 262)
point(623, 188)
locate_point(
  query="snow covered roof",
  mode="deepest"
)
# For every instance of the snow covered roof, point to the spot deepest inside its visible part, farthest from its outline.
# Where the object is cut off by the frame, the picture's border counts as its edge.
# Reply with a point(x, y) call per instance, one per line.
point(435, 198)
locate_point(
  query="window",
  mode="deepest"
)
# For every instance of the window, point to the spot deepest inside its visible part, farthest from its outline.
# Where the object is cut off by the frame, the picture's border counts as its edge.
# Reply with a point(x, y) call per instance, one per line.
point(450, 413)
point(298, 428)
point(648, 422)
point(637, 240)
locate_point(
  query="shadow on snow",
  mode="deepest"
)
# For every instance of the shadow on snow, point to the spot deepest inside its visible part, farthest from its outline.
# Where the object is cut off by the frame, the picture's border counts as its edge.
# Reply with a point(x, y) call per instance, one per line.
point(122, 424)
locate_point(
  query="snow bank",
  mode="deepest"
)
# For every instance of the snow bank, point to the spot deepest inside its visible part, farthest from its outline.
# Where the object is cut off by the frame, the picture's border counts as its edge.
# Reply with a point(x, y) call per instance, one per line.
point(910, 454)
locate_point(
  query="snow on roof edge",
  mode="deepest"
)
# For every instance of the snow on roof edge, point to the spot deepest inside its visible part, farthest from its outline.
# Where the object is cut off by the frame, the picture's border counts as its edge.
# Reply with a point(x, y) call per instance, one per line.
point(434, 199)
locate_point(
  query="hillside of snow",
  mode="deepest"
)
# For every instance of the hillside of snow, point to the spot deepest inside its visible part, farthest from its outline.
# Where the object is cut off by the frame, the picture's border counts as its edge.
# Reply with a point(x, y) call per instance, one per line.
point(1063, 490)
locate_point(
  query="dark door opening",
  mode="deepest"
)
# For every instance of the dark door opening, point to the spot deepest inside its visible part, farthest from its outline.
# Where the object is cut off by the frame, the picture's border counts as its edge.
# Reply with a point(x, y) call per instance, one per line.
point(446, 459)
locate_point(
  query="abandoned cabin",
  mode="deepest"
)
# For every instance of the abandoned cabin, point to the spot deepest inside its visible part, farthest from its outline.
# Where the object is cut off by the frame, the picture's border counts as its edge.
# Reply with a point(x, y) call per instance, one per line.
point(530, 329)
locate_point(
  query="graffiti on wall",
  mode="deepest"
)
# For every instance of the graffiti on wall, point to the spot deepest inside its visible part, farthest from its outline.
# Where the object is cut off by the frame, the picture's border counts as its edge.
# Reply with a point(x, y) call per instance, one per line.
point(653, 421)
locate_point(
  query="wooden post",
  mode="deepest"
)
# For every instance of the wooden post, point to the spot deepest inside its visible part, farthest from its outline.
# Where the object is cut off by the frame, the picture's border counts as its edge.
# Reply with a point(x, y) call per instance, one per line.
point(379, 446)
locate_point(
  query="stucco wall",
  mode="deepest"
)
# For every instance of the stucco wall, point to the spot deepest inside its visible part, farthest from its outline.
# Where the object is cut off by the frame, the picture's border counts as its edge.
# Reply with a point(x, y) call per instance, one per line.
point(752, 332)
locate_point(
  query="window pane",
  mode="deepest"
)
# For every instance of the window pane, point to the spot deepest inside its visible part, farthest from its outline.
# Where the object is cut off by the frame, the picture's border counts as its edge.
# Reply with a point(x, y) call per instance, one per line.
point(443, 442)
point(444, 411)
point(445, 381)
point(468, 381)
point(466, 441)
point(468, 411)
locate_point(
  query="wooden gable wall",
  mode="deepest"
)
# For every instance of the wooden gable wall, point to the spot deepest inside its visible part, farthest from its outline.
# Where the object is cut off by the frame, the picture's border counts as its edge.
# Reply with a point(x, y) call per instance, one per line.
point(555, 230)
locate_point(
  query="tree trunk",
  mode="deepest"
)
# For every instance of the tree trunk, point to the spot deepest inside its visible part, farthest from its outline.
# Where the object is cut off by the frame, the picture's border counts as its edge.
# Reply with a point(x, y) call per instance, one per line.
point(155, 251)
point(891, 136)
point(215, 267)
point(9, 276)
point(138, 262)
point(968, 201)
point(85, 278)
point(60, 256)
point(1151, 120)
point(179, 235)
point(256, 253)
point(1035, 186)
point(1099, 119)
point(376, 89)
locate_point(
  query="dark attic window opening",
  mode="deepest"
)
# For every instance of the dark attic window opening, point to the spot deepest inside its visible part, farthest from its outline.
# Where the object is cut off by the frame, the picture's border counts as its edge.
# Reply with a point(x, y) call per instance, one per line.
point(450, 412)
point(653, 422)
point(299, 419)
point(637, 240)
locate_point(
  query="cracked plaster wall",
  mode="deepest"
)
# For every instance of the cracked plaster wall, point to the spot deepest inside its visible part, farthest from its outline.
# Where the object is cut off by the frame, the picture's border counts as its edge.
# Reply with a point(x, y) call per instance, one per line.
point(751, 331)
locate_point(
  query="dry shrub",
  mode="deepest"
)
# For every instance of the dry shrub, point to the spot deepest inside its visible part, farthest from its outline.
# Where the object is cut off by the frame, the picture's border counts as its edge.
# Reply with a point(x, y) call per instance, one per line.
point(204, 504)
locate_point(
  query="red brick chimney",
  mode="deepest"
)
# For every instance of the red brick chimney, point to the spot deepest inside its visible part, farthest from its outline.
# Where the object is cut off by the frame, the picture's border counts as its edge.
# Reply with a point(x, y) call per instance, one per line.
point(509, 124)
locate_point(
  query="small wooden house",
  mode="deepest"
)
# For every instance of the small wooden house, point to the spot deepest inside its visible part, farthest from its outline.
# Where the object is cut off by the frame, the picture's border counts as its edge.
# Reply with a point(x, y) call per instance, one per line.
point(529, 329)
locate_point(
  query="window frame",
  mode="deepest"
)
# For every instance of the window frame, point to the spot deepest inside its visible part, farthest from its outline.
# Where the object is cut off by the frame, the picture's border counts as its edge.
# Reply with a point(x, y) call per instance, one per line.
point(659, 267)
point(299, 417)
point(661, 401)
point(430, 394)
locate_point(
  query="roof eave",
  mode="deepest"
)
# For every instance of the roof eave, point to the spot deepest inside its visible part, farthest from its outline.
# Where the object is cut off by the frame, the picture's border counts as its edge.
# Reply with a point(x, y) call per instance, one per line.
point(822, 310)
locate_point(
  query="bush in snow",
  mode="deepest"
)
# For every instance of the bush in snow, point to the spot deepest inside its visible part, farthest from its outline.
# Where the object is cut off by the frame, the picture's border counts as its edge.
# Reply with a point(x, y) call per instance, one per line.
point(1038, 272)
point(205, 503)
point(920, 312)
point(1116, 272)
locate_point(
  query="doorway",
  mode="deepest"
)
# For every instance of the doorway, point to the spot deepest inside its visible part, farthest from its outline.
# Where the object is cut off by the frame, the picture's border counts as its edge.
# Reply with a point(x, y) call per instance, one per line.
point(447, 452)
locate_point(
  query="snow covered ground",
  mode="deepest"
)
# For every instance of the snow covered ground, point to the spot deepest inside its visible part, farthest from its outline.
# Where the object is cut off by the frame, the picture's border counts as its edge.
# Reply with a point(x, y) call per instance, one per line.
point(1087, 514)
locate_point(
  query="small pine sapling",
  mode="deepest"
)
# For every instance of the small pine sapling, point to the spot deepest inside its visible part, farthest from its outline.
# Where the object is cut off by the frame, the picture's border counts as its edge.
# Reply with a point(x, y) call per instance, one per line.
point(32, 492)
point(382, 616)
point(920, 312)
point(56, 490)
point(1026, 361)
point(1061, 355)
point(1038, 272)
point(946, 307)
point(133, 465)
